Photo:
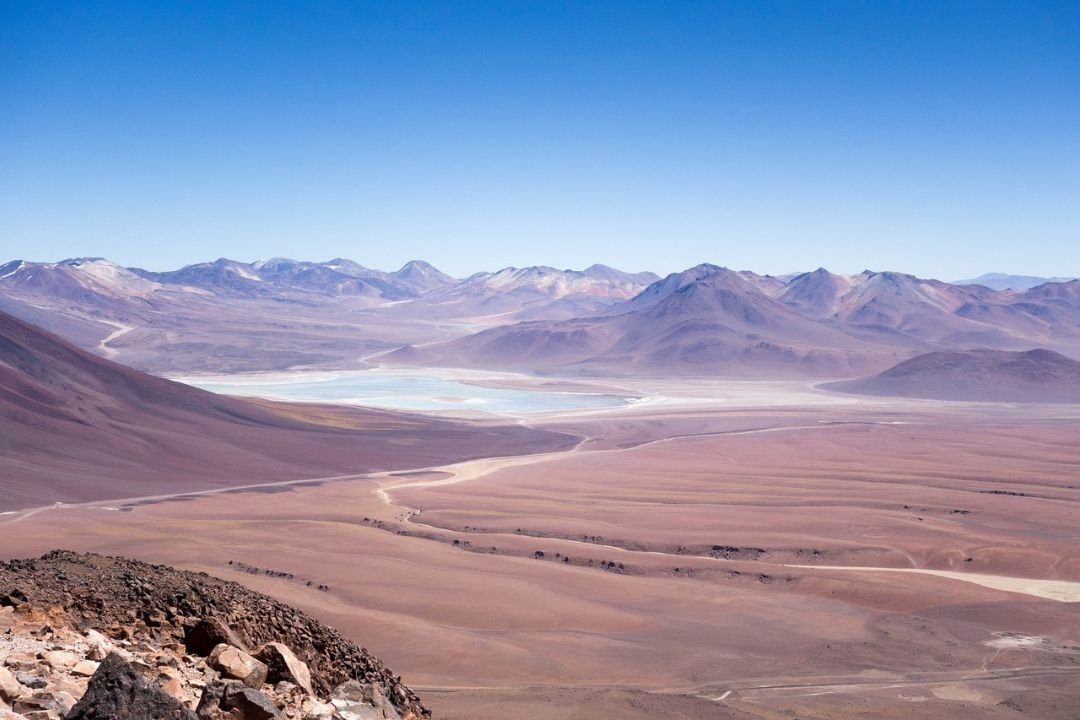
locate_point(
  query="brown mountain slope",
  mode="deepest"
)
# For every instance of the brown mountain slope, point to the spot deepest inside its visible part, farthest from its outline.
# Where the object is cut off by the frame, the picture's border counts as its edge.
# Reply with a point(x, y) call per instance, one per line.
point(707, 320)
point(978, 375)
point(76, 427)
point(710, 320)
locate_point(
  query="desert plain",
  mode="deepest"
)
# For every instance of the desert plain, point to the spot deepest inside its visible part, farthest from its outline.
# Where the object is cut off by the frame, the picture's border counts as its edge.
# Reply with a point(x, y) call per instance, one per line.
point(719, 550)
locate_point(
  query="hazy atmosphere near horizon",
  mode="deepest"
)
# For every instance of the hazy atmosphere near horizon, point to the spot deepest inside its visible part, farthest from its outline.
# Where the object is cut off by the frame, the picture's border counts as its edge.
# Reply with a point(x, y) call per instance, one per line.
point(938, 139)
point(520, 360)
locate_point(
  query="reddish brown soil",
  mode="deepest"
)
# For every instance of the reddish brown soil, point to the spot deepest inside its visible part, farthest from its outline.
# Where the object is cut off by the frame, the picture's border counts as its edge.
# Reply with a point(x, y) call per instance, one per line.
point(493, 629)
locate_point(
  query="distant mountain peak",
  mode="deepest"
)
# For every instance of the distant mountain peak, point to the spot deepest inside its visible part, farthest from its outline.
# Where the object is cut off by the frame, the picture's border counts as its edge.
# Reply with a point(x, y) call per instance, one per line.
point(1005, 281)
point(422, 276)
point(418, 266)
point(78, 261)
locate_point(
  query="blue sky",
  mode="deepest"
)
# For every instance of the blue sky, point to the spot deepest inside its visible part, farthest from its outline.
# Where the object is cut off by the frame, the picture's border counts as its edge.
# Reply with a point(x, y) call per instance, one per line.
point(940, 138)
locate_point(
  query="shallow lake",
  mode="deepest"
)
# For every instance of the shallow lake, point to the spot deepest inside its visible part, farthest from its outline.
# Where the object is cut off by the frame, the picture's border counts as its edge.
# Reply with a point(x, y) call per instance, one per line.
point(403, 392)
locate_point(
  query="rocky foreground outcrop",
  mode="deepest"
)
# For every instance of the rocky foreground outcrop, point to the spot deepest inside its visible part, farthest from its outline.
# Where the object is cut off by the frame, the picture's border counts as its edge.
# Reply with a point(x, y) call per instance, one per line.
point(91, 637)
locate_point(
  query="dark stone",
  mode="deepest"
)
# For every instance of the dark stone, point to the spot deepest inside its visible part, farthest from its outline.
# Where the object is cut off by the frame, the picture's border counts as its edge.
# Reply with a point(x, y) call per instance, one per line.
point(33, 682)
point(117, 692)
point(252, 704)
point(209, 707)
point(235, 700)
point(208, 633)
point(12, 598)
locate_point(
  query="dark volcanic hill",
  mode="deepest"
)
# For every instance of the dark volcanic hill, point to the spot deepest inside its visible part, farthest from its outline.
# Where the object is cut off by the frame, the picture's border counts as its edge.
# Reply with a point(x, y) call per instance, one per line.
point(976, 375)
point(166, 609)
point(77, 427)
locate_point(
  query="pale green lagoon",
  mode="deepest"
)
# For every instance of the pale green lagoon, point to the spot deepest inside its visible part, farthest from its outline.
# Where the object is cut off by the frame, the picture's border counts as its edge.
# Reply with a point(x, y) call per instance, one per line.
point(419, 392)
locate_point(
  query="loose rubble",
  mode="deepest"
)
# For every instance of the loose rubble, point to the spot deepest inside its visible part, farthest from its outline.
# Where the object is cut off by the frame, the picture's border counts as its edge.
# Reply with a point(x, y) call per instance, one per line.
point(182, 646)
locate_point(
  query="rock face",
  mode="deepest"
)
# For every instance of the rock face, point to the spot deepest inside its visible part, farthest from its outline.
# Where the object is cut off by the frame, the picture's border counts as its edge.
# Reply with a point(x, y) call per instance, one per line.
point(236, 664)
point(206, 634)
point(10, 688)
point(235, 701)
point(141, 633)
point(357, 701)
point(117, 692)
point(282, 665)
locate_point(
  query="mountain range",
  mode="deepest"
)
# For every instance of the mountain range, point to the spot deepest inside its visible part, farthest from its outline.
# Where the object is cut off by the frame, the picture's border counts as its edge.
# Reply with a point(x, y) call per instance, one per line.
point(1005, 281)
point(707, 320)
point(710, 320)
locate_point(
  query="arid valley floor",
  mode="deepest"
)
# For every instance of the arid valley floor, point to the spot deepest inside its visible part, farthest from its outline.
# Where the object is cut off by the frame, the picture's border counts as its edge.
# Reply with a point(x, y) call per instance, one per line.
point(736, 550)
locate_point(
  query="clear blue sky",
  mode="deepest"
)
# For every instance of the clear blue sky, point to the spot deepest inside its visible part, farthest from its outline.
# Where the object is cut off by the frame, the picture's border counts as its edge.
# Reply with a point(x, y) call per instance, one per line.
point(940, 138)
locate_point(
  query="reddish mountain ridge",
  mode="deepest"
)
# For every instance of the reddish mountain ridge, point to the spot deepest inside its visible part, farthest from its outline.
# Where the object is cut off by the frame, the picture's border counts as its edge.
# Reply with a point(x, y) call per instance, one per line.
point(76, 427)
point(227, 316)
point(706, 320)
point(976, 375)
point(275, 314)
point(710, 320)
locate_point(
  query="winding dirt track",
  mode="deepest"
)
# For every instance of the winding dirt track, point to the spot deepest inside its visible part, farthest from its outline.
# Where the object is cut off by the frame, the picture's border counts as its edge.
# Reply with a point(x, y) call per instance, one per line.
point(121, 330)
point(1060, 590)
point(460, 472)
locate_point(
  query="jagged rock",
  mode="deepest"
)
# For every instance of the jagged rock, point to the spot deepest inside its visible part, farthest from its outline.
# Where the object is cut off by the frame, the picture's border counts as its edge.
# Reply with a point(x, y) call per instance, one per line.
point(235, 663)
point(209, 707)
point(202, 637)
point(232, 700)
point(355, 700)
point(85, 668)
point(98, 645)
point(60, 659)
point(35, 682)
point(117, 692)
point(120, 632)
point(10, 687)
point(282, 664)
point(116, 596)
point(20, 662)
point(38, 715)
point(172, 682)
point(39, 705)
point(251, 704)
point(13, 598)
point(319, 711)
point(64, 701)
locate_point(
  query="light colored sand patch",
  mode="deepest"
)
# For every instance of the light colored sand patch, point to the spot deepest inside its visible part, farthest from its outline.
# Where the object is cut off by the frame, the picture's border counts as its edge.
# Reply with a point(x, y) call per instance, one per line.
point(959, 693)
point(1060, 590)
point(913, 698)
point(1007, 641)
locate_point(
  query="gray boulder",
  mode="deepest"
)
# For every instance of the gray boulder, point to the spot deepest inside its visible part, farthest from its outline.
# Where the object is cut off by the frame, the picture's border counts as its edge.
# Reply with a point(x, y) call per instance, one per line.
point(232, 700)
